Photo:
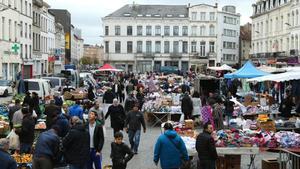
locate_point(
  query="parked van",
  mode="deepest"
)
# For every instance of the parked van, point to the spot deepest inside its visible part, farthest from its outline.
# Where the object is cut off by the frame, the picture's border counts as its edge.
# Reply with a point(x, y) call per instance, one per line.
point(41, 86)
point(72, 76)
point(57, 83)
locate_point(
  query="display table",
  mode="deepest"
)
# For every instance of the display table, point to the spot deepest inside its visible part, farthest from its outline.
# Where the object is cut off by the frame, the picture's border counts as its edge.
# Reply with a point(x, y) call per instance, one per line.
point(160, 116)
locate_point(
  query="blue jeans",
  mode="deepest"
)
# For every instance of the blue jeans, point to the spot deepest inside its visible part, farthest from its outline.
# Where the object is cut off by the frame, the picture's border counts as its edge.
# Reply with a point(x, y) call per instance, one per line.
point(134, 139)
point(77, 166)
point(25, 148)
point(94, 159)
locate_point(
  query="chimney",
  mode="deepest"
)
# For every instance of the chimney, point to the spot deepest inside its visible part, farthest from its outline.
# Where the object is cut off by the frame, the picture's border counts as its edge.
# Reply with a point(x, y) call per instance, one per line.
point(216, 5)
point(189, 5)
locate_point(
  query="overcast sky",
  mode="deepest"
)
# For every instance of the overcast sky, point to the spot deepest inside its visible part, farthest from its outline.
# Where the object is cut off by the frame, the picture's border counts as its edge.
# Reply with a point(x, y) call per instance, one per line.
point(87, 14)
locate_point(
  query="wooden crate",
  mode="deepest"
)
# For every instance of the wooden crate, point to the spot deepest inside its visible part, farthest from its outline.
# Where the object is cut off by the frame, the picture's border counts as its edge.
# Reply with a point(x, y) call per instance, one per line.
point(269, 164)
point(229, 162)
point(267, 126)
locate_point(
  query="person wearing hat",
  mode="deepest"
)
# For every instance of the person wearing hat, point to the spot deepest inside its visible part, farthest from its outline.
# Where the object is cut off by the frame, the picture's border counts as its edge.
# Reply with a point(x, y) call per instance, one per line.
point(134, 121)
point(170, 143)
point(117, 116)
point(7, 162)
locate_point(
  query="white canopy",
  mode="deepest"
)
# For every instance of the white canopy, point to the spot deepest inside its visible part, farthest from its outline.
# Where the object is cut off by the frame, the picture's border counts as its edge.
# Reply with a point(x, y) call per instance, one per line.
point(281, 77)
point(270, 69)
point(223, 67)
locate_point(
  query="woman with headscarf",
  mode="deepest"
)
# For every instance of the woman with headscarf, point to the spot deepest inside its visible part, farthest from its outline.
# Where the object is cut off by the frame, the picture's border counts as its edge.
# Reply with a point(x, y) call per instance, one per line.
point(206, 113)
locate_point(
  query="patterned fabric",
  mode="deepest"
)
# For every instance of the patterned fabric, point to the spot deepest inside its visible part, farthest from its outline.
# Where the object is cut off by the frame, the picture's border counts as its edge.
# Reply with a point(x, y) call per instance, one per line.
point(207, 115)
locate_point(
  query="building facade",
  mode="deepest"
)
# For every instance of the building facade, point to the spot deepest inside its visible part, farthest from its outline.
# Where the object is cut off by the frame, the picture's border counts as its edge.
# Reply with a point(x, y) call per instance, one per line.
point(59, 51)
point(94, 51)
point(36, 42)
point(245, 42)
point(77, 48)
point(276, 31)
point(145, 37)
point(15, 38)
point(63, 17)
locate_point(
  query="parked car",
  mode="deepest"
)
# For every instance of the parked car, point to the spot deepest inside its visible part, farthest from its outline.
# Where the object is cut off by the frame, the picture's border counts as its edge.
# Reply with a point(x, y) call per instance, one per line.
point(5, 87)
point(41, 86)
point(57, 83)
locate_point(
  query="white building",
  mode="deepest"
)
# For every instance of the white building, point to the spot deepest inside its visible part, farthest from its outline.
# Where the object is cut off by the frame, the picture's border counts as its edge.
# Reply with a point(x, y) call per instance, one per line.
point(59, 48)
point(77, 43)
point(15, 38)
point(276, 31)
point(145, 37)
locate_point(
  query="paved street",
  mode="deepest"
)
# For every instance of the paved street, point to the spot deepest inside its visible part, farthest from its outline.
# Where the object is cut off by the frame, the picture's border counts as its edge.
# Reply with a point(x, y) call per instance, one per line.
point(144, 160)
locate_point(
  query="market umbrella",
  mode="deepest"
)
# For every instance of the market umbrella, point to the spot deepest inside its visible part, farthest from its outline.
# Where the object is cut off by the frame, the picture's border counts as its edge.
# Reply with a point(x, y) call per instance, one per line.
point(281, 77)
point(108, 67)
point(223, 67)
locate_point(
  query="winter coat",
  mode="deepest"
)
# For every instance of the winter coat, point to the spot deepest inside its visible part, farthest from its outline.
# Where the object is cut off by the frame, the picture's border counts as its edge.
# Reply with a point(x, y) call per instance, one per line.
point(7, 162)
point(187, 105)
point(117, 116)
point(135, 120)
point(98, 136)
point(119, 152)
point(63, 123)
point(76, 145)
point(170, 150)
point(108, 97)
point(76, 110)
point(205, 146)
point(47, 145)
point(26, 134)
point(129, 103)
point(51, 111)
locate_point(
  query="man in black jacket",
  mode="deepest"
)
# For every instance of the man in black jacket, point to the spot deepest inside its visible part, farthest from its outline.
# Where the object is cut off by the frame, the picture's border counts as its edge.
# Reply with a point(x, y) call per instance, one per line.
point(96, 141)
point(205, 146)
point(117, 116)
point(51, 110)
point(135, 119)
point(26, 134)
point(187, 106)
point(108, 97)
point(76, 144)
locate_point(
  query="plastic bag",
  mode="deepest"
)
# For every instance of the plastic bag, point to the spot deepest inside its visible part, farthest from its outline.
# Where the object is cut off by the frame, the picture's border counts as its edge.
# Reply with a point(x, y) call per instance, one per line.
point(14, 142)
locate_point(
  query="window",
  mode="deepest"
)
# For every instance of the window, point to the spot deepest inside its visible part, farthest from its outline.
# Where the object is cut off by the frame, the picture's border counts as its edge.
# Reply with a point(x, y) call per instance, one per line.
point(21, 6)
point(175, 47)
point(184, 47)
point(106, 47)
point(26, 52)
point(157, 31)
point(30, 10)
point(202, 48)
point(9, 29)
point(212, 16)
point(25, 30)
point(26, 8)
point(194, 47)
point(229, 57)
point(157, 47)
point(139, 30)
point(117, 30)
point(30, 51)
point(212, 30)
point(148, 30)
point(15, 31)
point(229, 32)
point(202, 16)
point(29, 32)
point(167, 47)
point(117, 47)
point(167, 30)
point(202, 30)
point(184, 31)
point(230, 20)
point(194, 16)
point(212, 47)
point(21, 32)
point(229, 45)
point(148, 47)
point(129, 30)
point(129, 47)
point(139, 48)
point(21, 50)
point(175, 30)
point(106, 30)
point(194, 30)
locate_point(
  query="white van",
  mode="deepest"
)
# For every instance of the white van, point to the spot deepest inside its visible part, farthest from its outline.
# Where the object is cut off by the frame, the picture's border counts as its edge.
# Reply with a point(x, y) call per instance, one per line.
point(57, 83)
point(41, 86)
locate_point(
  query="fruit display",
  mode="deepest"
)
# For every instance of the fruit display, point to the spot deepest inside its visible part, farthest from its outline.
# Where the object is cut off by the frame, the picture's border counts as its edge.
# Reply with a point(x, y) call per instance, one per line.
point(4, 125)
point(69, 103)
point(23, 158)
point(263, 118)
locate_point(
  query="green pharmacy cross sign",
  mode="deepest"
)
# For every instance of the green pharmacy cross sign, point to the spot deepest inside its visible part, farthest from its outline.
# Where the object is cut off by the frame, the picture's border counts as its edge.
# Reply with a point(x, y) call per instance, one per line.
point(15, 48)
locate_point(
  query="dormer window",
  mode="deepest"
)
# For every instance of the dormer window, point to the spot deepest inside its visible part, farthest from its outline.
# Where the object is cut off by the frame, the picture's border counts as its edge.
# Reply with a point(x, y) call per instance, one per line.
point(157, 15)
point(169, 15)
point(140, 15)
point(181, 16)
point(148, 15)
point(127, 14)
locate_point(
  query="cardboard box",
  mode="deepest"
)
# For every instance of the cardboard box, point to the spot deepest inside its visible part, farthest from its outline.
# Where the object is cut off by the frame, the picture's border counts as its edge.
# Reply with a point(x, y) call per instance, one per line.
point(189, 124)
point(269, 164)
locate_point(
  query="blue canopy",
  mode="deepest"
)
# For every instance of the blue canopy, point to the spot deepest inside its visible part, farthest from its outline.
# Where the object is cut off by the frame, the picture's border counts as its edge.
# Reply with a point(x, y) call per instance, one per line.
point(247, 71)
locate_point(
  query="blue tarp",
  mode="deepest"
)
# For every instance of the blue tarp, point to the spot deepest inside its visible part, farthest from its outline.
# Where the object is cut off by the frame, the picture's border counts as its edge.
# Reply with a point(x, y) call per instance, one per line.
point(247, 71)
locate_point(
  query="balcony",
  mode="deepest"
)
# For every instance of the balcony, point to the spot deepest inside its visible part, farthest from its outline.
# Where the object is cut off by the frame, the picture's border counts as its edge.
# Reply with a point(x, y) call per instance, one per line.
point(38, 3)
point(176, 55)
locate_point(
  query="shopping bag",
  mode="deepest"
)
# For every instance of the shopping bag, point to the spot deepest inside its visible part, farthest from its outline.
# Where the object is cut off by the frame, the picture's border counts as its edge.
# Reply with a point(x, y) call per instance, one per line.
point(181, 120)
point(14, 142)
point(104, 130)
